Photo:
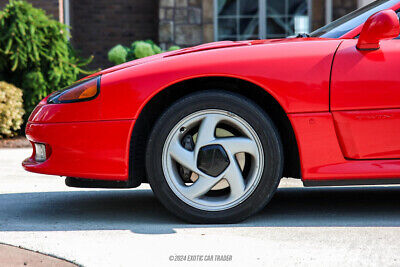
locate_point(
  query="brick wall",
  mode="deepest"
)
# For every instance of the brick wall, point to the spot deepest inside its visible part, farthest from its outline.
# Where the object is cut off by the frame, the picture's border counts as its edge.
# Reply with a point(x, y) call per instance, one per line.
point(99, 25)
point(50, 6)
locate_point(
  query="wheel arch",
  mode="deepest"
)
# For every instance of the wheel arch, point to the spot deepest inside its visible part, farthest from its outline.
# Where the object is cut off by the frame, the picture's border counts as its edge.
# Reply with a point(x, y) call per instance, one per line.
point(158, 102)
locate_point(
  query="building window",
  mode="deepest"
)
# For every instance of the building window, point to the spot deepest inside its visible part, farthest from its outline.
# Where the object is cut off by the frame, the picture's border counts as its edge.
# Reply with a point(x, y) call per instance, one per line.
point(237, 19)
point(252, 19)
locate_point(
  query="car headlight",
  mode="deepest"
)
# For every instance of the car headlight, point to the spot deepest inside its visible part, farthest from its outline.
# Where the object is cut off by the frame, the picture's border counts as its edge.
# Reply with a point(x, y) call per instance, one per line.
point(81, 91)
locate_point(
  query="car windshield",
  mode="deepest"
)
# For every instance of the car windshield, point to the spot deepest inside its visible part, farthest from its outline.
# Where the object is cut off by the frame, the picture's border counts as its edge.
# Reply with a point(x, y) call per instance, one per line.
point(345, 24)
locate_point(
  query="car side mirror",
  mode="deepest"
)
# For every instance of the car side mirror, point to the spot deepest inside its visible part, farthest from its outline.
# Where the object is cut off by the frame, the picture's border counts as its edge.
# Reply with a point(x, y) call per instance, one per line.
point(380, 26)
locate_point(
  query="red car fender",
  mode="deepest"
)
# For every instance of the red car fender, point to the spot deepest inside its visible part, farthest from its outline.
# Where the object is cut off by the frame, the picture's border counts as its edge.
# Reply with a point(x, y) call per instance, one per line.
point(301, 86)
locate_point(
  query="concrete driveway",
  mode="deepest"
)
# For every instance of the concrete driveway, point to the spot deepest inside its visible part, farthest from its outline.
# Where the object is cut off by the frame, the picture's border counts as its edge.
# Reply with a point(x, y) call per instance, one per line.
point(302, 226)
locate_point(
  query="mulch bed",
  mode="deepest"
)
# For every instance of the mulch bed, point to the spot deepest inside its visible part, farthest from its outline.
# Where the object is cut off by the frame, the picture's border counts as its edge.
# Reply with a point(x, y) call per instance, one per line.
point(16, 142)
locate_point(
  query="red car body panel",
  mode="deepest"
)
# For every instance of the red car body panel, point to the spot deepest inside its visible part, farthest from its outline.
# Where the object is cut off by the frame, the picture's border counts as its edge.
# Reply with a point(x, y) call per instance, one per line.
point(322, 158)
point(369, 134)
point(365, 79)
point(301, 87)
point(365, 100)
point(72, 112)
point(342, 104)
point(263, 63)
point(96, 150)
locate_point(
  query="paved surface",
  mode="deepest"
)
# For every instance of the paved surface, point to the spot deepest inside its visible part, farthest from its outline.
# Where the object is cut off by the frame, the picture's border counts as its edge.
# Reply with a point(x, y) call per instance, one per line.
point(301, 226)
point(14, 256)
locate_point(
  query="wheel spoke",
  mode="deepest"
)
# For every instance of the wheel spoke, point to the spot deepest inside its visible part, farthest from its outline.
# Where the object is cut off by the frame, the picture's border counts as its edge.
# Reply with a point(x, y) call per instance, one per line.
point(235, 179)
point(238, 144)
point(206, 131)
point(182, 155)
point(231, 185)
point(201, 187)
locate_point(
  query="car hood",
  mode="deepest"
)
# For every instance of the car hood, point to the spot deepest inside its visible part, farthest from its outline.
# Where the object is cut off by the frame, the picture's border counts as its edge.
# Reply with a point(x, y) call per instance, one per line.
point(203, 47)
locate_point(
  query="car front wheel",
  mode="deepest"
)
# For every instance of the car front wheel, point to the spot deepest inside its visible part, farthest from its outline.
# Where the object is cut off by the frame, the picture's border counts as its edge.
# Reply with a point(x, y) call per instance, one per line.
point(214, 157)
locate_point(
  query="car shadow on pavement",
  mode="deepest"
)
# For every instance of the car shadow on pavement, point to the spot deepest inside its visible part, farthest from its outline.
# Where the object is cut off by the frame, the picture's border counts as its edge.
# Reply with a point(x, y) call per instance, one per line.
point(140, 212)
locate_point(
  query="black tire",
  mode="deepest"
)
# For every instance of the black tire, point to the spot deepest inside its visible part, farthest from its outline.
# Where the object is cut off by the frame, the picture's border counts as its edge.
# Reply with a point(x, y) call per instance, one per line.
point(250, 112)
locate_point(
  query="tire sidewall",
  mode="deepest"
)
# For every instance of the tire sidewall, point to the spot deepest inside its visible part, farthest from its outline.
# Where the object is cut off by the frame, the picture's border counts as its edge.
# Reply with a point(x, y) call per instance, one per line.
point(254, 116)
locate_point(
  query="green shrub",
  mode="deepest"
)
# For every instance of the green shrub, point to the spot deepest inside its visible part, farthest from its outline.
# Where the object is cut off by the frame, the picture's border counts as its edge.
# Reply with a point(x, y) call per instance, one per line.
point(156, 49)
point(143, 49)
point(11, 110)
point(174, 47)
point(118, 54)
point(35, 53)
point(138, 49)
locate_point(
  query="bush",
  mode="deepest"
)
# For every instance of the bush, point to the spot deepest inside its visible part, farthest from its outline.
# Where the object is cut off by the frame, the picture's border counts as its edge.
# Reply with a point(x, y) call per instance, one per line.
point(143, 49)
point(11, 110)
point(120, 54)
point(35, 53)
point(174, 47)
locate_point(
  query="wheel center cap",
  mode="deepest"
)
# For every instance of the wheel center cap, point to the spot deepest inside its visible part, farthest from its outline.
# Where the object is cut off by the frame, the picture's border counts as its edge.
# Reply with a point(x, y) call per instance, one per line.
point(212, 160)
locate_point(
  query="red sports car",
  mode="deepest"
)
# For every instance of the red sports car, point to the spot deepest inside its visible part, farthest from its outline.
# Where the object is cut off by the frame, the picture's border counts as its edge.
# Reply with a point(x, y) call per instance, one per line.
point(213, 128)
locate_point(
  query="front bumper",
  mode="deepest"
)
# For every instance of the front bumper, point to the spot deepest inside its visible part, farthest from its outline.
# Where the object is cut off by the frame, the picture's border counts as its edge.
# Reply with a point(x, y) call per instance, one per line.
point(93, 150)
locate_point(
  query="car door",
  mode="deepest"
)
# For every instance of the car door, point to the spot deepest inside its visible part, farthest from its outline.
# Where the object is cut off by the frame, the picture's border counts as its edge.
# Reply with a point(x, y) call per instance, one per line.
point(365, 100)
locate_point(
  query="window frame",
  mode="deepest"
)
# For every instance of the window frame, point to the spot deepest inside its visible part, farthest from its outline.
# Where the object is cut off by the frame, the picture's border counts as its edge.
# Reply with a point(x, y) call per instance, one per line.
point(262, 19)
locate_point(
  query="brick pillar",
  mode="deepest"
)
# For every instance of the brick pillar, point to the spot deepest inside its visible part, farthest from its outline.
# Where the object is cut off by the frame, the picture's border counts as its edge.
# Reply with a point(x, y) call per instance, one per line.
point(208, 20)
point(185, 22)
